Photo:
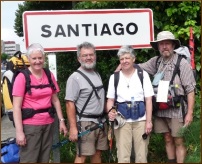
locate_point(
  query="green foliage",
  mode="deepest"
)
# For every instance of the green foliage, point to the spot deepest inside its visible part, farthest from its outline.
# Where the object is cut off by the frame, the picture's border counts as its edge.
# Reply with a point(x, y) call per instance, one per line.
point(192, 135)
point(4, 56)
point(156, 148)
point(34, 6)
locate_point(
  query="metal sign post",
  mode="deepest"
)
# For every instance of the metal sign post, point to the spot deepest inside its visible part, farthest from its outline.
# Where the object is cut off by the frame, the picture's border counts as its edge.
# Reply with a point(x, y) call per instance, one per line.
point(52, 67)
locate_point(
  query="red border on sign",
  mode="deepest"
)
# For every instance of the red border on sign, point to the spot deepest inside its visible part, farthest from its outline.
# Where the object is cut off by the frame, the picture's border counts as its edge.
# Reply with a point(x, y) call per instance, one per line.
point(104, 11)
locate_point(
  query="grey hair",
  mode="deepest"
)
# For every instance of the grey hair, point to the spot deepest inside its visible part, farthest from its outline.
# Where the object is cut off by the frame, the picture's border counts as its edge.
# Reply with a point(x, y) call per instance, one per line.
point(126, 49)
point(34, 47)
point(85, 45)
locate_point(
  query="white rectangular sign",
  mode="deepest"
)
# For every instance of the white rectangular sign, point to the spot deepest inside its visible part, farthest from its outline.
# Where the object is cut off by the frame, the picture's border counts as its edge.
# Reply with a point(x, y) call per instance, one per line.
point(52, 64)
point(106, 29)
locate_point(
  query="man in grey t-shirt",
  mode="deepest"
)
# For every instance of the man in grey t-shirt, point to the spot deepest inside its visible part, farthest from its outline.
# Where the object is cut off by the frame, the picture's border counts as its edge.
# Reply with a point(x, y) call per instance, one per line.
point(84, 111)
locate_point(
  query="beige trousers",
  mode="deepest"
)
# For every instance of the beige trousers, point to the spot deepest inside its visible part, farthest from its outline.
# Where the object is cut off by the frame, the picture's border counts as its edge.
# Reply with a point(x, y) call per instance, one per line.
point(131, 131)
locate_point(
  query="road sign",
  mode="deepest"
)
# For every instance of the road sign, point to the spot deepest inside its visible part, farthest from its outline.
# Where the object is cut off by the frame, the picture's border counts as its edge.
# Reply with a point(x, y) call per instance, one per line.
point(106, 29)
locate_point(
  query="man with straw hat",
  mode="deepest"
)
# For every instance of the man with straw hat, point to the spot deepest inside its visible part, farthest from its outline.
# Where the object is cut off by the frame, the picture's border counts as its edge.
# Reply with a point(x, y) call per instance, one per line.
point(175, 73)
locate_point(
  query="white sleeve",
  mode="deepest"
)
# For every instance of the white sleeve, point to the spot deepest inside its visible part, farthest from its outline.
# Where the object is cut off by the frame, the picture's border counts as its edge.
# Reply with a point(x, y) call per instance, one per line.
point(147, 85)
point(111, 91)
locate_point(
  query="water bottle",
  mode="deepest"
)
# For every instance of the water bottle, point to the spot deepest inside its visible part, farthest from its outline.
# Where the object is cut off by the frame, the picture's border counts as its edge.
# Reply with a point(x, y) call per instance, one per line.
point(134, 113)
point(132, 102)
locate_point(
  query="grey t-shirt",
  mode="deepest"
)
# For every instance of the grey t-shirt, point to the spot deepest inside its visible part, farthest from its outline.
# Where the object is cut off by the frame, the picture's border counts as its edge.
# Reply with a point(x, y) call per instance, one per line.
point(78, 90)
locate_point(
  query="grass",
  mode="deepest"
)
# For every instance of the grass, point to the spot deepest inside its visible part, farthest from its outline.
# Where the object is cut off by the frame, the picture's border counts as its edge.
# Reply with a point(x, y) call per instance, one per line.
point(156, 154)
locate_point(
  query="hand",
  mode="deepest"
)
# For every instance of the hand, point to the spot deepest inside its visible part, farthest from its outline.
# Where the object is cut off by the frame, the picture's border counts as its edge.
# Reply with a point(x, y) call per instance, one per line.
point(118, 68)
point(20, 139)
point(73, 134)
point(63, 128)
point(112, 115)
point(149, 126)
point(188, 119)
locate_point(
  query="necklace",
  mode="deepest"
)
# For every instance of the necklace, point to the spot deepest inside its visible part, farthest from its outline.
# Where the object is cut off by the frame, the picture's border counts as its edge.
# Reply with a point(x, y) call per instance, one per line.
point(127, 79)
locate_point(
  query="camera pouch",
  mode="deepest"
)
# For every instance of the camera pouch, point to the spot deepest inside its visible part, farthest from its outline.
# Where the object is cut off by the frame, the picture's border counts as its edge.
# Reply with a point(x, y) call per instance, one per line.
point(173, 102)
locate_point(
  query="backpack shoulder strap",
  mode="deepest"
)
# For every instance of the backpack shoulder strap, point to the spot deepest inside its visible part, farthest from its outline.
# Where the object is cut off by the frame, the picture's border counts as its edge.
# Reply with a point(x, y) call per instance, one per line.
point(94, 90)
point(26, 73)
point(48, 74)
point(176, 69)
point(89, 81)
point(116, 81)
point(157, 60)
point(140, 73)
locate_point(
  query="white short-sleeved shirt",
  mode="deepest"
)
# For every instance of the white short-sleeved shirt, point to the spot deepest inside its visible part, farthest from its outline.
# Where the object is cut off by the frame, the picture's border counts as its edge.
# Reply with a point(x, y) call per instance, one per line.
point(135, 89)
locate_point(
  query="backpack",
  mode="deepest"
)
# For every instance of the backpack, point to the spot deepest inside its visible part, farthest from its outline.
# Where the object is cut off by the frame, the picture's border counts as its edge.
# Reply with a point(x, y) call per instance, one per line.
point(173, 100)
point(9, 151)
point(15, 66)
point(116, 78)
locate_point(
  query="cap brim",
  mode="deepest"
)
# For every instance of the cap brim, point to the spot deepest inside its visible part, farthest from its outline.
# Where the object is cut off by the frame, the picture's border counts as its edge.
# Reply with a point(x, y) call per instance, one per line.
point(154, 44)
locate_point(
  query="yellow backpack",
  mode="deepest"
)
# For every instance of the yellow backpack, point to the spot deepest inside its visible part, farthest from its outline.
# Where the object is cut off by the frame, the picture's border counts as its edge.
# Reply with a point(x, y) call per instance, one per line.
point(15, 64)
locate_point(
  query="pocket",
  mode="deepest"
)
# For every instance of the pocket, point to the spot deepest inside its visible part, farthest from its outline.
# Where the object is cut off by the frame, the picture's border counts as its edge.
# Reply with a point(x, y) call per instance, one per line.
point(163, 106)
point(124, 110)
point(141, 108)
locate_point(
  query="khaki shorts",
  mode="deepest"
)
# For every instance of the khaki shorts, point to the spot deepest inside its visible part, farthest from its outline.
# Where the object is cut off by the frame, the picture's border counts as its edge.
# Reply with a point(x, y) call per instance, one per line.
point(95, 140)
point(172, 125)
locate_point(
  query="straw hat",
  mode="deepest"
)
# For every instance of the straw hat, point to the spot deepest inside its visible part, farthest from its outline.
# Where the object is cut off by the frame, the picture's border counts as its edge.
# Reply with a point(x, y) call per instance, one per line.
point(165, 35)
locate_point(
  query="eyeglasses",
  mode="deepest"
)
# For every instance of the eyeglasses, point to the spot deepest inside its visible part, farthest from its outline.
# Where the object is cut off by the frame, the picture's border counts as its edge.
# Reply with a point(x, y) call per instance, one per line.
point(86, 55)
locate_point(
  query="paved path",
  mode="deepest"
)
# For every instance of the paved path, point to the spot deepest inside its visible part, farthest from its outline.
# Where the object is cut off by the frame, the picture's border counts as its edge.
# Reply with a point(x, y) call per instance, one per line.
point(7, 128)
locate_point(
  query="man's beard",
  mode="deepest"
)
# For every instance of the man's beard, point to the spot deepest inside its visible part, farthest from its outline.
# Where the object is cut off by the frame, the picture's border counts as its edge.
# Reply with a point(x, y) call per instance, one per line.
point(167, 55)
point(88, 66)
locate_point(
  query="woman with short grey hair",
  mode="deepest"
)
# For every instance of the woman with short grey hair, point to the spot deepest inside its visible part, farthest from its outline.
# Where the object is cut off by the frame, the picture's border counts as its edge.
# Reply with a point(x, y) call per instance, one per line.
point(133, 98)
point(34, 132)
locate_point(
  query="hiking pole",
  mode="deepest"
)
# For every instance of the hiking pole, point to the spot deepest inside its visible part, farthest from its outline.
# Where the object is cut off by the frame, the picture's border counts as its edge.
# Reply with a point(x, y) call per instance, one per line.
point(111, 134)
point(191, 49)
point(63, 142)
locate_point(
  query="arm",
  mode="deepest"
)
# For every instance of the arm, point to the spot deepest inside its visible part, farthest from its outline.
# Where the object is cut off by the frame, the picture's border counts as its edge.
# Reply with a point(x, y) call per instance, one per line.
point(189, 83)
point(71, 114)
point(17, 116)
point(148, 103)
point(111, 114)
point(150, 66)
point(57, 106)
point(191, 101)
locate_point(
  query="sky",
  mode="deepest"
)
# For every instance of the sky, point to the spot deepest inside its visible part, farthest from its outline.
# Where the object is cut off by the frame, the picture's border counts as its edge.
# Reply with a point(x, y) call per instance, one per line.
point(8, 9)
